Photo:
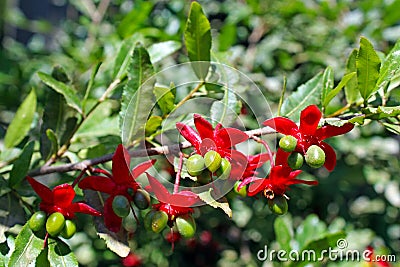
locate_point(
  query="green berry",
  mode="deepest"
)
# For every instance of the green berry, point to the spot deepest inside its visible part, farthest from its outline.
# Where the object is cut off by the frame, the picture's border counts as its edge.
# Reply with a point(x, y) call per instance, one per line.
point(55, 223)
point(141, 199)
point(195, 165)
point(186, 225)
point(278, 205)
point(148, 219)
point(37, 221)
point(69, 229)
point(288, 143)
point(121, 206)
point(159, 221)
point(315, 156)
point(212, 160)
point(295, 160)
point(242, 192)
point(224, 170)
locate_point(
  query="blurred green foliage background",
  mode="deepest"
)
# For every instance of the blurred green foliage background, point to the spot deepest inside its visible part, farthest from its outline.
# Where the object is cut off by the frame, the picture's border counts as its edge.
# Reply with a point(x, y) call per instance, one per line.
point(268, 40)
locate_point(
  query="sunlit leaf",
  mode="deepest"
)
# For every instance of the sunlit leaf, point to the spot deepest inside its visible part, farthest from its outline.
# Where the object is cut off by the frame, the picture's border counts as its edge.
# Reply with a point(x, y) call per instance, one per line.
point(208, 198)
point(165, 99)
point(390, 67)
point(351, 89)
point(162, 50)
point(59, 254)
point(327, 85)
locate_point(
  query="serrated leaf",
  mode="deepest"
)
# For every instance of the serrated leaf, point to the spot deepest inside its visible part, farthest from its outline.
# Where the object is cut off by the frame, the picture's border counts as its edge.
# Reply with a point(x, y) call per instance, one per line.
point(381, 112)
point(164, 98)
point(226, 110)
point(208, 198)
point(283, 232)
point(307, 94)
point(368, 64)
point(69, 93)
point(351, 89)
point(21, 124)
point(137, 98)
point(21, 165)
point(327, 85)
point(27, 247)
point(60, 254)
point(390, 67)
point(198, 40)
point(331, 94)
point(159, 51)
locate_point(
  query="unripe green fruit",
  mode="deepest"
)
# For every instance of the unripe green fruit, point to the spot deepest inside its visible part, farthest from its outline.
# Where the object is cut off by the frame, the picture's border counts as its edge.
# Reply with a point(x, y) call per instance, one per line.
point(141, 199)
point(121, 206)
point(295, 160)
point(186, 225)
point(212, 160)
point(288, 143)
point(224, 170)
point(55, 223)
point(148, 219)
point(278, 205)
point(159, 221)
point(195, 165)
point(69, 229)
point(37, 221)
point(315, 156)
point(242, 192)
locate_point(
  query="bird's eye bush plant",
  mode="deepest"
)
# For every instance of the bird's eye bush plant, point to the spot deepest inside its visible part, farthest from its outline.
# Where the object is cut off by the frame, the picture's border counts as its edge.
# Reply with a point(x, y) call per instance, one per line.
point(155, 150)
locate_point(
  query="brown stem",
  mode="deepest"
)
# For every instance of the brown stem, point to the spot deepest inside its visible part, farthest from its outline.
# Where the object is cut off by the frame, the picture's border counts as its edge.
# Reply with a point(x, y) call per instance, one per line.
point(162, 150)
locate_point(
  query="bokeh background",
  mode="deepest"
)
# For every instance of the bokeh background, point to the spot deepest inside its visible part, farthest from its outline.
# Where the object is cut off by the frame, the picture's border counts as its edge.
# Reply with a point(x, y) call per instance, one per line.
point(268, 40)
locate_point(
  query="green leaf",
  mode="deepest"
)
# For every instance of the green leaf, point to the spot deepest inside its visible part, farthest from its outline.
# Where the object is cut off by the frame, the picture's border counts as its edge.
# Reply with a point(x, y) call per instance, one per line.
point(21, 165)
point(60, 254)
point(133, 21)
point(198, 40)
point(331, 94)
point(390, 67)
point(165, 99)
point(283, 232)
point(124, 55)
point(307, 94)
point(162, 50)
point(53, 140)
point(27, 247)
point(394, 128)
point(42, 260)
point(208, 198)
point(90, 84)
point(137, 98)
point(225, 111)
point(153, 124)
point(21, 124)
point(327, 85)
point(339, 122)
point(351, 89)
point(310, 229)
point(368, 64)
point(69, 93)
point(381, 112)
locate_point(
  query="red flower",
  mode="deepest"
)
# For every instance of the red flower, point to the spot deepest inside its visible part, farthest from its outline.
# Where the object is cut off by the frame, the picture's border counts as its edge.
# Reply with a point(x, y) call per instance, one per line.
point(372, 258)
point(309, 134)
point(173, 204)
point(60, 200)
point(253, 163)
point(119, 183)
point(219, 139)
point(278, 181)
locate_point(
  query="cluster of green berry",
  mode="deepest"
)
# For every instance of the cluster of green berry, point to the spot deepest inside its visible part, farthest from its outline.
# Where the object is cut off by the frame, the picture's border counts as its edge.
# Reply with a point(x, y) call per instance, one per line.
point(122, 206)
point(157, 220)
point(55, 224)
point(204, 167)
point(314, 156)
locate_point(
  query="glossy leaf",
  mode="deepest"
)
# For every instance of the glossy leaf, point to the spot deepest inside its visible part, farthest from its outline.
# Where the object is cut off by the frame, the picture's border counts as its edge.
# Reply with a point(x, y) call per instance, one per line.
point(390, 67)
point(198, 40)
point(307, 94)
point(159, 51)
point(21, 165)
point(60, 254)
point(21, 124)
point(137, 98)
point(226, 110)
point(68, 92)
point(327, 84)
point(208, 198)
point(368, 64)
point(351, 89)
point(165, 99)
point(27, 248)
